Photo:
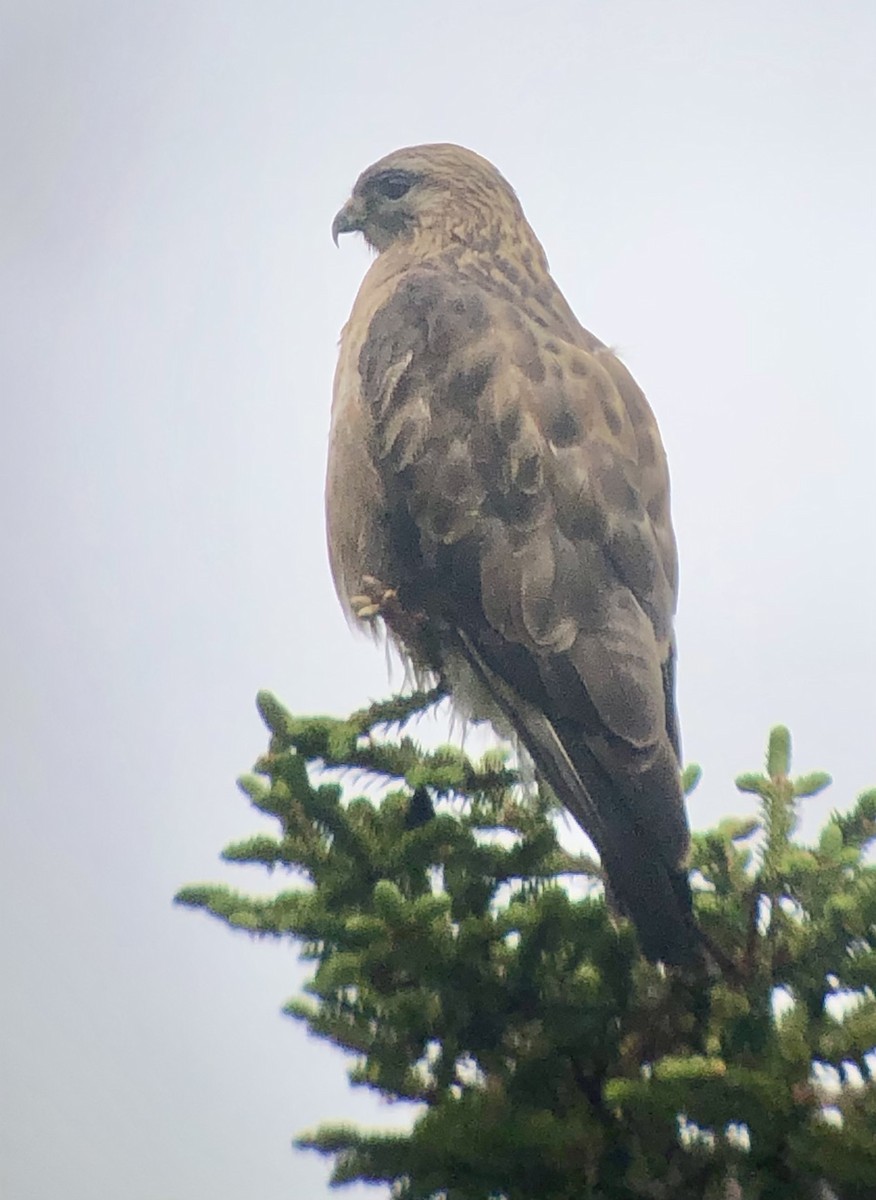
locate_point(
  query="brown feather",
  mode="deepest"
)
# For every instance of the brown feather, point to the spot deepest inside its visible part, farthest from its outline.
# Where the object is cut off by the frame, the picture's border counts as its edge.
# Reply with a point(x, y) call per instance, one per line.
point(498, 467)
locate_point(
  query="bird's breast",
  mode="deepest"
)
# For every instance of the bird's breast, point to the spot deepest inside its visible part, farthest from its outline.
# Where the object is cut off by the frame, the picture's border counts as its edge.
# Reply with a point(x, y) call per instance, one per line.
point(356, 507)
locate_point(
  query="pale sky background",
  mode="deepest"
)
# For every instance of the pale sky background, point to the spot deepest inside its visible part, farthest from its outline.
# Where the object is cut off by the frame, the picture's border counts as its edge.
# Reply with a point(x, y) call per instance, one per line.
point(703, 177)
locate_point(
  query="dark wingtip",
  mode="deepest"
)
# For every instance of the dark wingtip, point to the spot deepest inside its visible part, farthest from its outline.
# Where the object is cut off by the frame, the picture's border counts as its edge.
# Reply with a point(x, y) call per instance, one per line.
point(660, 905)
point(678, 947)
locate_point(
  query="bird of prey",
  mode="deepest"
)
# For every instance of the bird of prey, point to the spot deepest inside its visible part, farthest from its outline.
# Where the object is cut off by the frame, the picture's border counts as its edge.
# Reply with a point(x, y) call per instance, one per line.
point(498, 495)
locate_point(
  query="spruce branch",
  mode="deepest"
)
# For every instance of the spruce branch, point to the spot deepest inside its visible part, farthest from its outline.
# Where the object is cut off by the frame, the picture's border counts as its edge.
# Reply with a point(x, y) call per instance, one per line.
point(543, 1057)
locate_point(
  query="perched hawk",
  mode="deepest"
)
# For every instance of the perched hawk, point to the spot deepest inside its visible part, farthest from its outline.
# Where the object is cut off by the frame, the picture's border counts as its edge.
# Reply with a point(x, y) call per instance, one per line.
point(498, 494)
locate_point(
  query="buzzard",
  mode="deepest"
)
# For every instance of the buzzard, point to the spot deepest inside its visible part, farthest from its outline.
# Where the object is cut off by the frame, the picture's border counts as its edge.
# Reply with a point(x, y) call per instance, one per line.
point(498, 495)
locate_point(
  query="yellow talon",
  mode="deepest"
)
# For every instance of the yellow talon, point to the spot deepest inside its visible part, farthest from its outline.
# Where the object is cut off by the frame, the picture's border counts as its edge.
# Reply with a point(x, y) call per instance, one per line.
point(365, 611)
point(373, 600)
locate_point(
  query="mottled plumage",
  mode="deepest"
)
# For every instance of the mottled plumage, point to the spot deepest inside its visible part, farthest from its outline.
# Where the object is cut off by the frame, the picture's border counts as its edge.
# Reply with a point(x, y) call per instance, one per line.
point(497, 489)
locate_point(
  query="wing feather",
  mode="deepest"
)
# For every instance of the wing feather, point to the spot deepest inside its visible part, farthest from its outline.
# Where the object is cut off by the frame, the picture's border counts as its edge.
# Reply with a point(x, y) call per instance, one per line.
point(529, 481)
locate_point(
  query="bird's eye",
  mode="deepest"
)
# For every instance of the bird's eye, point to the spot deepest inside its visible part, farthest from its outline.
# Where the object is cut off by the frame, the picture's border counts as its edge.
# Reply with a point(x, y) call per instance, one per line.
point(394, 184)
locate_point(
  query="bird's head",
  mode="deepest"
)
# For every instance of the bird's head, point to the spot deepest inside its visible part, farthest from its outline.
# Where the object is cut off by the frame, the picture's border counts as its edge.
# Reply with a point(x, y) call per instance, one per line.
point(432, 197)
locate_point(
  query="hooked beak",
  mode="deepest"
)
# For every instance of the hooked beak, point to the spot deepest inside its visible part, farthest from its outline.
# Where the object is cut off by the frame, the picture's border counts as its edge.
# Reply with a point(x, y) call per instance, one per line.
point(349, 220)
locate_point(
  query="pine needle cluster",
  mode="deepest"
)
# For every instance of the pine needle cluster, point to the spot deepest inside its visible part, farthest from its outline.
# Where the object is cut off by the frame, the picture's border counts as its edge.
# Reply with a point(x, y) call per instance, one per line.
point(468, 965)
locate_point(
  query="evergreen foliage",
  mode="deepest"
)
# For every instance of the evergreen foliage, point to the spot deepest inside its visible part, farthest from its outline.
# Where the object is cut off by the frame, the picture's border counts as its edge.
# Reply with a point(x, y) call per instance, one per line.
point(469, 965)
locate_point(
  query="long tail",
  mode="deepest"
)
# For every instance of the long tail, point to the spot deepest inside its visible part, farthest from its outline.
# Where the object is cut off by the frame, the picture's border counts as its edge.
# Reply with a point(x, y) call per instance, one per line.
point(644, 881)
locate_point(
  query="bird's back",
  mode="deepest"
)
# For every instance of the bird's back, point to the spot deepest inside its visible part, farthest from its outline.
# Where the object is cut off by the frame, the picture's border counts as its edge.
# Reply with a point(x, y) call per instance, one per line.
point(497, 468)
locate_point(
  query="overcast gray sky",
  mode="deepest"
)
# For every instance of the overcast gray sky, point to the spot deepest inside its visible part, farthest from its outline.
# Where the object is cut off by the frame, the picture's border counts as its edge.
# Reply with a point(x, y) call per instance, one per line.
point(703, 178)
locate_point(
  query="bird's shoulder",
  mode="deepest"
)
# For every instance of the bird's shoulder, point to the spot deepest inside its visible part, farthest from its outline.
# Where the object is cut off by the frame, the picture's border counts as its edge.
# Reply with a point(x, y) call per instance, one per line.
point(486, 340)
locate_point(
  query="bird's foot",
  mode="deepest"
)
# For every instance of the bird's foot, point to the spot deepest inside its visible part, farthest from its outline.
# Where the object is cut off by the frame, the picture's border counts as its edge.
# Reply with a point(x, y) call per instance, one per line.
point(375, 600)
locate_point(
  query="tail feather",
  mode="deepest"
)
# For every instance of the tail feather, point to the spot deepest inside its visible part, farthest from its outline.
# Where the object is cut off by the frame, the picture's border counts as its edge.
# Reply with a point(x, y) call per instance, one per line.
point(643, 881)
point(646, 879)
